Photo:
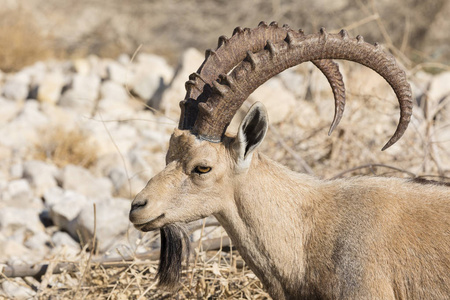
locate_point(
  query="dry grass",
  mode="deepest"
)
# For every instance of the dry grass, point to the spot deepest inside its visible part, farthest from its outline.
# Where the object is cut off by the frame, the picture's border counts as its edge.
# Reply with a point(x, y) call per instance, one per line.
point(79, 28)
point(62, 147)
point(370, 118)
point(220, 274)
point(21, 41)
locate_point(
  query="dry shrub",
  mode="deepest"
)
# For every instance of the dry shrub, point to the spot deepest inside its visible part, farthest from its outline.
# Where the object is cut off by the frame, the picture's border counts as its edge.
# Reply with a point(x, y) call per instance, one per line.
point(220, 274)
point(21, 41)
point(370, 118)
point(62, 147)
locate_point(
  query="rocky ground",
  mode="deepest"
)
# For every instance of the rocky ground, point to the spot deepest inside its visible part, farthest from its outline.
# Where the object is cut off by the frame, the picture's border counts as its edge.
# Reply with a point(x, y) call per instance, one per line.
point(81, 132)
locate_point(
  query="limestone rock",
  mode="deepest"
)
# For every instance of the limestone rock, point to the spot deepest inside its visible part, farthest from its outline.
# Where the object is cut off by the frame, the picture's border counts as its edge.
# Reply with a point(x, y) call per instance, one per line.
point(117, 73)
point(190, 61)
point(17, 87)
point(18, 191)
point(111, 222)
point(9, 110)
point(83, 93)
point(439, 87)
point(61, 238)
point(151, 74)
point(40, 175)
point(14, 290)
point(50, 88)
point(13, 217)
point(64, 206)
point(80, 180)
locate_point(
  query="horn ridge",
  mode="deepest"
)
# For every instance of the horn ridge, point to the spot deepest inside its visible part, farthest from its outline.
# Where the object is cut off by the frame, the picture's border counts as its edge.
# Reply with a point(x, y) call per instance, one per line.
point(281, 56)
point(229, 53)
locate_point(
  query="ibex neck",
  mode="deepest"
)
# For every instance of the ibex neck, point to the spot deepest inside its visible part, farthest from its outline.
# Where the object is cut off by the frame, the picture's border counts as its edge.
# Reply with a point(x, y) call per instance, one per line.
point(271, 213)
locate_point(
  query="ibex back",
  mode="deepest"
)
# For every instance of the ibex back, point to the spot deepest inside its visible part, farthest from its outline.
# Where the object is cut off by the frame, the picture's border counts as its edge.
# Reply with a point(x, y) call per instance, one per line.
point(305, 238)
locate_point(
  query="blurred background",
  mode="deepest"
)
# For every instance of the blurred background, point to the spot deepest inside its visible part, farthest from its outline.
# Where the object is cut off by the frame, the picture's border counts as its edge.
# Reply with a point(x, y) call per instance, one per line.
point(32, 30)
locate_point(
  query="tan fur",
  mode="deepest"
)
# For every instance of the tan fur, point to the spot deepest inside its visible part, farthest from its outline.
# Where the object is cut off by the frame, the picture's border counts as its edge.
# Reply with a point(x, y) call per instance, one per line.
point(305, 238)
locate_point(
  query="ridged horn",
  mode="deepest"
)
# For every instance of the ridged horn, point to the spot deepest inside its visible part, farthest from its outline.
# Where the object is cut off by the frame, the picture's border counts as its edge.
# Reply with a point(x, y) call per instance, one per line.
point(313, 47)
point(231, 51)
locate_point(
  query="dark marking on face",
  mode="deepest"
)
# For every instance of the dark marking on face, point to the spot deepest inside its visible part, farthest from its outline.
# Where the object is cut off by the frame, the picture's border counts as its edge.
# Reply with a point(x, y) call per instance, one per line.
point(174, 245)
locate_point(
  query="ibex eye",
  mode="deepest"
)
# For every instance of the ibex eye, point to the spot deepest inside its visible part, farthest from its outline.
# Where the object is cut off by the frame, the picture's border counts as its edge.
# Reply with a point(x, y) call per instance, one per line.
point(202, 170)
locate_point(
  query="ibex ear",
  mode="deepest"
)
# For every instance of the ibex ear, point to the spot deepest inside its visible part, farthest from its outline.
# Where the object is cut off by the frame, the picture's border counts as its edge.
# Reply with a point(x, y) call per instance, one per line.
point(251, 133)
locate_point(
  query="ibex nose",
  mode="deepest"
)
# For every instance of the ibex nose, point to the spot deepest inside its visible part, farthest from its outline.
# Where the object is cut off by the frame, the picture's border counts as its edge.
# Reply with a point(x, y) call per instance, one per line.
point(138, 204)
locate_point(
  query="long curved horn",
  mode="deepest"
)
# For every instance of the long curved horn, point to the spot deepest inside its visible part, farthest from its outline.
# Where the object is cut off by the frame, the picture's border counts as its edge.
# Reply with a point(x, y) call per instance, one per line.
point(231, 51)
point(230, 91)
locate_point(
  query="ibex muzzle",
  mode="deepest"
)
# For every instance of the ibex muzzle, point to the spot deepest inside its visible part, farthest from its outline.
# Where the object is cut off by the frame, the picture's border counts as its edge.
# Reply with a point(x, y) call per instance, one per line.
point(305, 238)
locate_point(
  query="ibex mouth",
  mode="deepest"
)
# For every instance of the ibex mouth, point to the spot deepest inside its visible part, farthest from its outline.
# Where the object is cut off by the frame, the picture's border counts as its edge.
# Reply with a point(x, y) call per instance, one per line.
point(149, 225)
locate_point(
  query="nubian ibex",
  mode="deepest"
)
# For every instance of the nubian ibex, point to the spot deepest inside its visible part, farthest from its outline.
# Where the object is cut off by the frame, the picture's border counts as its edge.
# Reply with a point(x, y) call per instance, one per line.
point(305, 238)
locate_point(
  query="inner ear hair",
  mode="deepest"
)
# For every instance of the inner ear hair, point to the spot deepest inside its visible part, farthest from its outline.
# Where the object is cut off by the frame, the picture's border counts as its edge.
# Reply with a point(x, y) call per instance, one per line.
point(253, 129)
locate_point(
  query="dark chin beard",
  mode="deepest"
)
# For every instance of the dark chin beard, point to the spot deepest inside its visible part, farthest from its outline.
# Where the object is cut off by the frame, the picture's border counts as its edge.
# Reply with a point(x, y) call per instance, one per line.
point(174, 239)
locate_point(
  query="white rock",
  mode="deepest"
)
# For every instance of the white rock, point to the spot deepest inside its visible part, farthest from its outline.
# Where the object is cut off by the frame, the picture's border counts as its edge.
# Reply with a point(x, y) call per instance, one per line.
point(420, 83)
point(150, 74)
point(24, 131)
point(3, 187)
point(190, 61)
point(83, 182)
point(54, 196)
point(19, 191)
point(156, 137)
point(439, 87)
point(120, 137)
point(155, 64)
point(139, 163)
point(49, 90)
point(111, 109)
point(119, 178)
point(145, 84)
point(294, 82)
point(61, 238)
point(117, 73)
point(278, 101)
point(9, 110)
point(17, 291)
point(82, 66)
point(61, 118)
point(17, 87)
point(65, 252)
point(113, 90)
point(16, 171)
point(39, 240)
point(365, 81)
point(124, 59)
point(105, 163)
point(14, 217)
point(40, 175)
point(32, 115)
point(114, 103)
point(64, 206)
point(35, 73)
point(83, 94)
point(98, 65)
point(125, 137)
point(111, 222)
point(11, 248)
point(148, 121)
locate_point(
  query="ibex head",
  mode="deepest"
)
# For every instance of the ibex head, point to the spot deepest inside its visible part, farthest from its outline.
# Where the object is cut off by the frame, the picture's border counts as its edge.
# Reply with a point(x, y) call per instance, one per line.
point(204, 166)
